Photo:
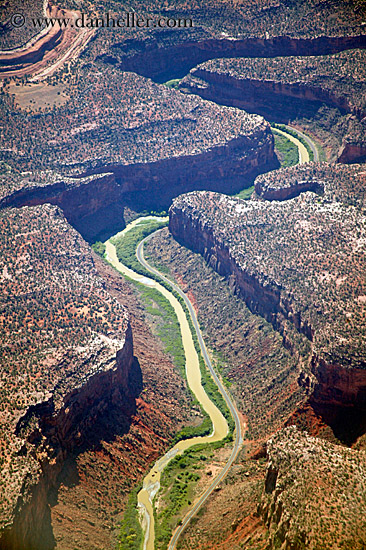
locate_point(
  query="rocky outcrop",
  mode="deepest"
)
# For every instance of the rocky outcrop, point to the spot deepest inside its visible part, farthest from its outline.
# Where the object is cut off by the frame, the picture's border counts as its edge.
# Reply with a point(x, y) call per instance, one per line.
point(65, 424)
point(69, 378)
point(248, 243)
point(333, 182)
point(285, 89)
point(306, 476)
point(262, 297)
point(351, 153)
point(293, 189)
point(93, 205)
point(168, 143)
point(273, 99)
point(48, 43)
point(10, 60)
point(222, 169)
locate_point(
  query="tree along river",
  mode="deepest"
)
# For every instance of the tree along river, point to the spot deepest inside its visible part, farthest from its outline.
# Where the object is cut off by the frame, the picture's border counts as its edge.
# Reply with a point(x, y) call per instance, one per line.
point(303, 153)
point(151, 483)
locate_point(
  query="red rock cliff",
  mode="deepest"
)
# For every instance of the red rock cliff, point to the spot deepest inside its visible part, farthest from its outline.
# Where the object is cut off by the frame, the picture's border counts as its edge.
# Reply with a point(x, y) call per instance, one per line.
point(68, 421)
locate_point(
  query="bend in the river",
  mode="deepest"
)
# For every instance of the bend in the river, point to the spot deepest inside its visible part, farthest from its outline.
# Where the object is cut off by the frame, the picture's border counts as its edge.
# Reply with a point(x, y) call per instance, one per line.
point(220, 429)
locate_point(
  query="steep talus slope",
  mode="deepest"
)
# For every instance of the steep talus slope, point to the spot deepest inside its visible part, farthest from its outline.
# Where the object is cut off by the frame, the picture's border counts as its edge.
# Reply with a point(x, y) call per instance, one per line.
point(67, 363)
point(300, 264)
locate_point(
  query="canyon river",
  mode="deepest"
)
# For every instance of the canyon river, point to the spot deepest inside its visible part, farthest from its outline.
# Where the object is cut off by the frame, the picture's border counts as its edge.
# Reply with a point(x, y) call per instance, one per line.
point(220, 429)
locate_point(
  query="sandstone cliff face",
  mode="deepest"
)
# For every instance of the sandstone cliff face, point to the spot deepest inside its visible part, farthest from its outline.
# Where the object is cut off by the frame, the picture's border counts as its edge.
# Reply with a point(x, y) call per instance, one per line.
point(222, 169)
point(166, 144)
point(273, 99)
point(351, 153)
point(68, 377)
point(236, 246)
point(287, 192)
point(262, 298)
point(92, 205)
point(292, 88)
point(308, 482)
point(63, 424)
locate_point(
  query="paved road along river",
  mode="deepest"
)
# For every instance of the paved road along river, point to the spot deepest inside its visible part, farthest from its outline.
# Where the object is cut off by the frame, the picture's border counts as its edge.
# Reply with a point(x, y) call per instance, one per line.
point(151, 482)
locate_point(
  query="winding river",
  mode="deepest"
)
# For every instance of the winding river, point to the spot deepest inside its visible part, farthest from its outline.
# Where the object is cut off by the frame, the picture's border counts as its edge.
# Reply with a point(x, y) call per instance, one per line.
point(151, 483)
point(303, 153)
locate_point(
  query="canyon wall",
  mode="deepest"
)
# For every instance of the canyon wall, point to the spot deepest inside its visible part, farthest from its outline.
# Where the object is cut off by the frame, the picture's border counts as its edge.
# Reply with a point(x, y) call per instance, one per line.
point(292, 504)
point(350, 153)
point(265, 299)
point(62, 425)
point(68, 379)
point(284, 89)
point(226, 169)
point(328, 384)
point(287, 192)
point(93, 205)
point(271, 98)
point(10, 61)
point(162, 57)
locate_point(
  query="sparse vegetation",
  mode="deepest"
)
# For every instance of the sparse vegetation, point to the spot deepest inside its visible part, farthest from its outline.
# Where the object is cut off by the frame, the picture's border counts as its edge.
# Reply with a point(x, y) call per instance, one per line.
point(296, 249)
point(174, 83)
point(131, 535)
point(247, 363)
point(319, 487)
point(246, 193)
point(55, 316)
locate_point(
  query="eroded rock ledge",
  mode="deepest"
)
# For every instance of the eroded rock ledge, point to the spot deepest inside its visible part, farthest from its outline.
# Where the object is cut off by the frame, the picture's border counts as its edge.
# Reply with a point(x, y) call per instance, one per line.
point(93, 205)
point(141, 152)
point(172, 53)
point(284, 88)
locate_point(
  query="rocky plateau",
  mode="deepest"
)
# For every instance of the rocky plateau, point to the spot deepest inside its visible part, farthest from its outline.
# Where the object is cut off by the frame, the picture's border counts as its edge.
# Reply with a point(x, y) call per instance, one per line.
point(309, 286)
point(60, 372)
